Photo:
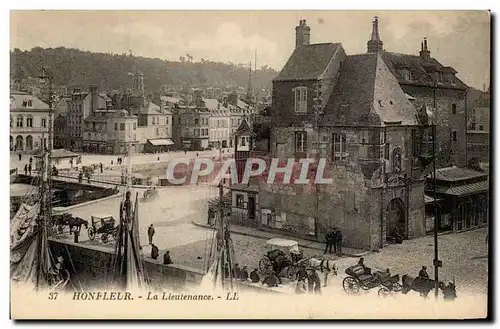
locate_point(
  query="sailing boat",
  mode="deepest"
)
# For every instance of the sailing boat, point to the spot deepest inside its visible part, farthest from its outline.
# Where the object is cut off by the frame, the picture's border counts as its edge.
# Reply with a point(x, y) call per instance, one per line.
point(31, 261)
point(220, 274)
point(127, 268)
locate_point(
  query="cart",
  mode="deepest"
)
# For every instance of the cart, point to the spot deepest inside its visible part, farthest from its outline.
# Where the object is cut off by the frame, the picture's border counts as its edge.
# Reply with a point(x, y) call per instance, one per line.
point(358, 278)
point(283, 258)
point(103, 225)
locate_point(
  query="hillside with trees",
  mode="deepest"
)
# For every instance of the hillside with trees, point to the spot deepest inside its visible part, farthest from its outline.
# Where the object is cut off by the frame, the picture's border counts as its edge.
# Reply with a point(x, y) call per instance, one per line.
point(76, 68)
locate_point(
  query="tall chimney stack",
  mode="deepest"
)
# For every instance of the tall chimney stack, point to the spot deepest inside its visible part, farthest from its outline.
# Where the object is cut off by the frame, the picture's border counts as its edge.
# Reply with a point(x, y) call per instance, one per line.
point(425, 53)
point(94, 95)
point(302, 34)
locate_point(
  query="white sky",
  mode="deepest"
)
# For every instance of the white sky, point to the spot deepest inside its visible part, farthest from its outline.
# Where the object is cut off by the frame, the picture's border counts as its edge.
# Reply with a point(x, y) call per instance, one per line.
point(457, 38)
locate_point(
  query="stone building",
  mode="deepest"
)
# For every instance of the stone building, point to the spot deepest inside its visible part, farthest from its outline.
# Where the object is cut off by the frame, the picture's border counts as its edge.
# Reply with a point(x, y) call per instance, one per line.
point(154, 128)
point(29, 122)
point(352, 111)
point(478, 126)
point(219, 122)
point(82, 105)
point(190, 127)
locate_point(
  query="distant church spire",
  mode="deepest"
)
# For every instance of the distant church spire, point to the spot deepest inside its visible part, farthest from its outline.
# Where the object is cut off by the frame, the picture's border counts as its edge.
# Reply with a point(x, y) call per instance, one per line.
point(375, 45)
point(249, 96)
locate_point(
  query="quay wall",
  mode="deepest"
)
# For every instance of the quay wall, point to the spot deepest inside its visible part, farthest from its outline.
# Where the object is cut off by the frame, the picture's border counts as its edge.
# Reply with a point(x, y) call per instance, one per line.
point(89, 265)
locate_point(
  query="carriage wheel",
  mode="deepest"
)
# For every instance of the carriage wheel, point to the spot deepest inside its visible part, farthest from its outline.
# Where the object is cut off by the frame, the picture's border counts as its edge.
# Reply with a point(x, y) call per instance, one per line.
point(351, 285)
point(60, 229)
point(91, 232)
point(265, 265)
point(104, 238)
point(384, 292)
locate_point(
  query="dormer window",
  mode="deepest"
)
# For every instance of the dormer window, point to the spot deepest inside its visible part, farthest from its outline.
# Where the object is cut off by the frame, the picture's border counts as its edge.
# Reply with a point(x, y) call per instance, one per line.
point(453, 79)
point(440, 77)
point(406, 73)
point(300, 99)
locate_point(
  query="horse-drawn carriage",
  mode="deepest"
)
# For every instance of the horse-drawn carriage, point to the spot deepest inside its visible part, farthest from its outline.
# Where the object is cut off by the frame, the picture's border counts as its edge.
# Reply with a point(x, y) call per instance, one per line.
point(283, 259)
point(103, 225)
point(150, 194)
point(360, 277)
point(74, 223)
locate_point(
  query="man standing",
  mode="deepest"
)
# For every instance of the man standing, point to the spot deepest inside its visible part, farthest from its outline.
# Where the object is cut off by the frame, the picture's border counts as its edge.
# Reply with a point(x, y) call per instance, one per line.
point(338, 242)
point(29, 169)
point(329, 239)
point(151, 232)
point(26, 169)
point(20, 156)
point(423, 272)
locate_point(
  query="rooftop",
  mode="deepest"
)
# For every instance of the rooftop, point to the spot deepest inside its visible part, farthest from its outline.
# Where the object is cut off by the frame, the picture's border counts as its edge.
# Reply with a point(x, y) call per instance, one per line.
point(308, 62)
point(455, 174)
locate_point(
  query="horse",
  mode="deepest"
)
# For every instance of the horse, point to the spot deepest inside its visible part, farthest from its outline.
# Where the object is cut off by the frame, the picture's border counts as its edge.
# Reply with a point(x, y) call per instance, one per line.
point(71, 222)
point(419, 284)
point(325, 266)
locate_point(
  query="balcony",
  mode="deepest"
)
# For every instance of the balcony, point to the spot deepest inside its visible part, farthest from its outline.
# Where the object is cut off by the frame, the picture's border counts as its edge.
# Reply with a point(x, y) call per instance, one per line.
point(28, 130)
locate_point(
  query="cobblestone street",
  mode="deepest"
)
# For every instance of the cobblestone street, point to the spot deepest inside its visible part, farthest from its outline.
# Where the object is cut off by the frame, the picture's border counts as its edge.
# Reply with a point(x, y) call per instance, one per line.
point(464, 257)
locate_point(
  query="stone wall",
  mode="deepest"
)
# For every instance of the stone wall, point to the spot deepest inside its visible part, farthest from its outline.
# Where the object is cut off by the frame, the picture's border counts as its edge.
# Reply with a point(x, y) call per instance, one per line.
point(445, 120)
point(92, 263)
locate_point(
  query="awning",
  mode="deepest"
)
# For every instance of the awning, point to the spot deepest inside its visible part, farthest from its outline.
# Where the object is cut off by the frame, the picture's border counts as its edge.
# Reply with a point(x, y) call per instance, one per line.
point(161, 142)
point(468, 189)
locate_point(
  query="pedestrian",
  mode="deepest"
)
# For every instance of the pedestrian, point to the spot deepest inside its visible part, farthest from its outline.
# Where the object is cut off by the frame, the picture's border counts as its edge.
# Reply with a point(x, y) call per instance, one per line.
point(254, 276)
point(185, 151)
point(154, 252)
point(111, 162)
point(70, 162)
point(328, 242)
point(158, 158)
point(26, 169)
point(31, 160)
point(338, 242)
point(166, 258)
point(151, 233)
point(423, 272)
point(100, 164)
point(20, 156)
point(197, 154)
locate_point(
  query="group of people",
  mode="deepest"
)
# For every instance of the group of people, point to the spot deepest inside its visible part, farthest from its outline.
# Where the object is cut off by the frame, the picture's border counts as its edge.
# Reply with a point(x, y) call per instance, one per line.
point(308, 281)
point(334, 239)
point(28, 167)
point(155, 252)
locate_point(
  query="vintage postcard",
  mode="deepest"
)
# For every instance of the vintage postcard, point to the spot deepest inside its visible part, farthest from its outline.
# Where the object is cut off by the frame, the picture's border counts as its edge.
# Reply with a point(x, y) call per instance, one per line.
point(249, 164)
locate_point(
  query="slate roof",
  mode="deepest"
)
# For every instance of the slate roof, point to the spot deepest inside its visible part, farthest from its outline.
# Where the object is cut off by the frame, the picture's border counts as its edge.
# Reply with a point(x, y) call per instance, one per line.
point(464, 190)
point(308, 62)
point(420, 69)
point(455, 174)
point(243, 128)
point(367, 93)
point(17, 98)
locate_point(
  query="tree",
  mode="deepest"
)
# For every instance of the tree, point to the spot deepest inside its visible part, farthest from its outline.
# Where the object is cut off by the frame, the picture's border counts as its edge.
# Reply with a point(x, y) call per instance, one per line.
point(182, 59)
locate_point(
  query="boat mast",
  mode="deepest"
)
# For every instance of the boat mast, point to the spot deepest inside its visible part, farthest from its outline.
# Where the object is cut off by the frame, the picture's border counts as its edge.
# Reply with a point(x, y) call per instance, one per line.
point(45, 187)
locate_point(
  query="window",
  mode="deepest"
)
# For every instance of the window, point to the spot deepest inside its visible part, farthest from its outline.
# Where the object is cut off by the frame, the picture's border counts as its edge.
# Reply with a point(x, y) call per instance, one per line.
point(44, 123)
point(300, 141)
point(386, 151)
point(453, 79)
point(453, 108)
point(122, 126)
point(116, 125)
point(440, 77)
point(11, 122)
point(157, 131)
point(166, 120)
point(415, 143)
point(300, 103)
point(19, 121)
point(240, 203)
point(454, 135)
point(134, 126)
point(339, 147)
point(481, 127)
point(29, 122)
point(196, 121)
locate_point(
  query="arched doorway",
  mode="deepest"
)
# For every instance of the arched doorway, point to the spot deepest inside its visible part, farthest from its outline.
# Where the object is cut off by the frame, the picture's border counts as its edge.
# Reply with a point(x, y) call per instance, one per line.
point(19, 143)
point(29, 143)
point(11, 143)
point(396, 219)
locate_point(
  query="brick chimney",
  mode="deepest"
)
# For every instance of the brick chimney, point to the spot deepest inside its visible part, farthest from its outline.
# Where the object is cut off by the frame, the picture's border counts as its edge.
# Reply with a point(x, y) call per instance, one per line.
point(302, 34)
point(424, 51)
